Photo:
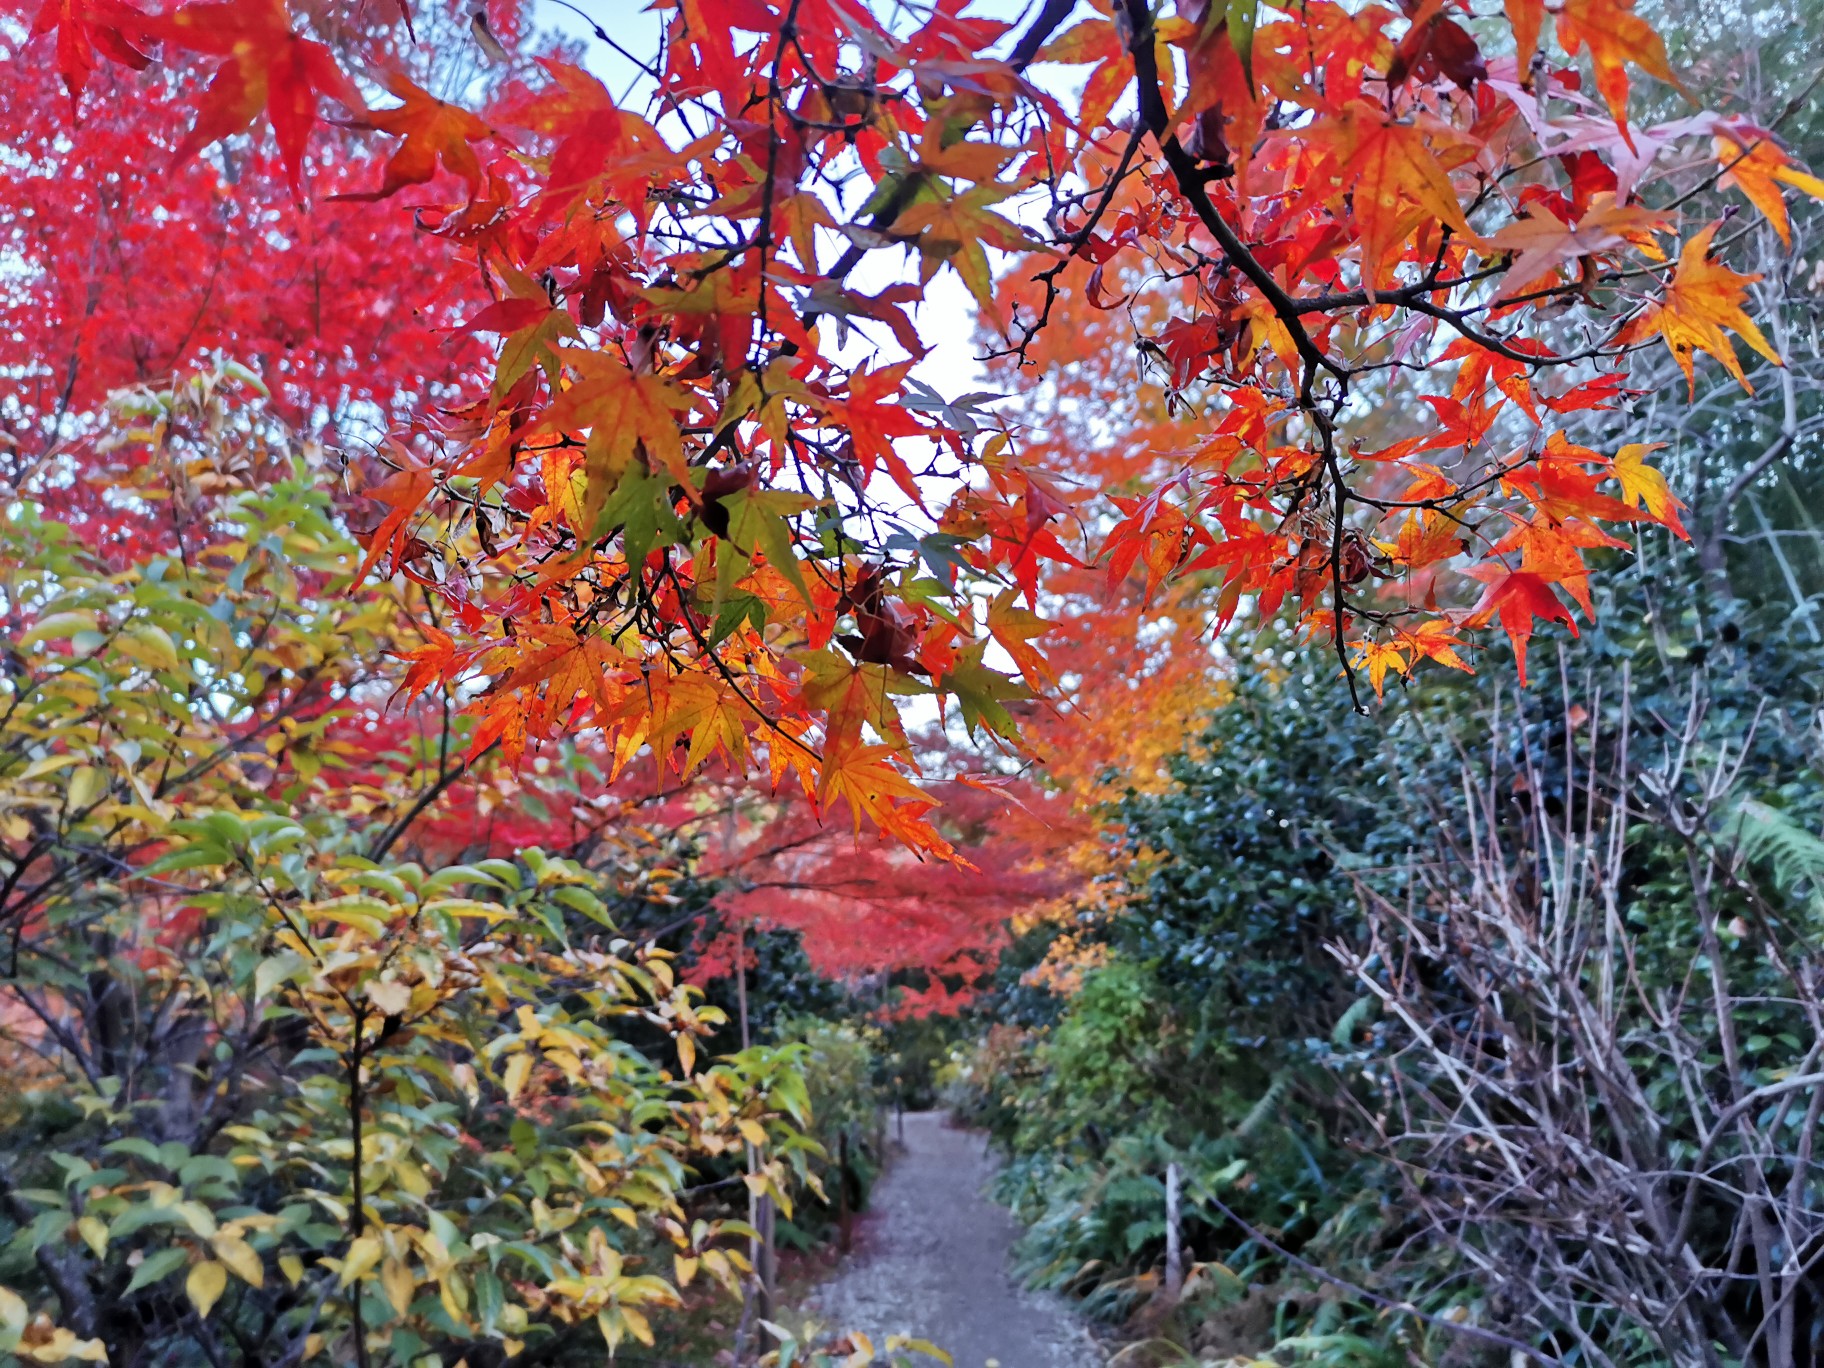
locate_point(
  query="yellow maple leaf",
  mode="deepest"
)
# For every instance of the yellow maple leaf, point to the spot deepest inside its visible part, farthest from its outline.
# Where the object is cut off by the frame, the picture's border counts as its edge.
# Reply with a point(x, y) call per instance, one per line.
point(1643, 486)
point(1378, 657)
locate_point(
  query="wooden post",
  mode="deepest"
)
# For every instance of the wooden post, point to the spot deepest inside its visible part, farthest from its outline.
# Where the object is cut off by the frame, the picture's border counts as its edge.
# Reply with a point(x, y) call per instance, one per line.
point(845, 1215)
point(769, 1260)
point(1174, 1245)
point(759, 1301)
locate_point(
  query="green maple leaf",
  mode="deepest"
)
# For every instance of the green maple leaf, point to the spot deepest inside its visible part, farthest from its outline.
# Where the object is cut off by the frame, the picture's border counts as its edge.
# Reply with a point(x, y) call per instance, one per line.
point(641, 506)
point(981, 692)
point(757, 521)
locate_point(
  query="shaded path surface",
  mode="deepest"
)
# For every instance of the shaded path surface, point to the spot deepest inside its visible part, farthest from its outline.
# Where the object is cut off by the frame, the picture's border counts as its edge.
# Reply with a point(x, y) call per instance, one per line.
point(931, 1260)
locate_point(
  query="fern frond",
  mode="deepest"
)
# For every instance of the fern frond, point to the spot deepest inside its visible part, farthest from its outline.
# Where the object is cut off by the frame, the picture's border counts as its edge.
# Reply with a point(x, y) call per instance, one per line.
point(1767, 836)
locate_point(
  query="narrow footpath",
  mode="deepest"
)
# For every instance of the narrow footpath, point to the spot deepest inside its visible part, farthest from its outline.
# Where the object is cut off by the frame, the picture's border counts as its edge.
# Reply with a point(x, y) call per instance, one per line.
point(930, 1260)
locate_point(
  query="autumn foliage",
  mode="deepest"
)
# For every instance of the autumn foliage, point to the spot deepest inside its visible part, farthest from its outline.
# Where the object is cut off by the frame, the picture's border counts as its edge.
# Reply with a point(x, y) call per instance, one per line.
point(451, 454)
point(689, 493)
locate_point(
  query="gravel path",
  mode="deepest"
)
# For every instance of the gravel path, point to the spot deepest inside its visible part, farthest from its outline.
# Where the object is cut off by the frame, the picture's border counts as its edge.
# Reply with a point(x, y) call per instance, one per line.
point(931, 1260)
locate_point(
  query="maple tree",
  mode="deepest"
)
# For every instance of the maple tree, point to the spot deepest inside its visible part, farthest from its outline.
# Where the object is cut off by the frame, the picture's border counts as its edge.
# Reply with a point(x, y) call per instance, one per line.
point(697, 503)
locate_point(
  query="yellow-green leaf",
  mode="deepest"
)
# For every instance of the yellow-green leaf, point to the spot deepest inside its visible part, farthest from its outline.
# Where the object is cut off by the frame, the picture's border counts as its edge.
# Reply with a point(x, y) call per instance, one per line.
point(204, 1285)
point(238, 1255)
point(57, 627)
point(362, 1255)
point(94, 1234)
point(518, 1069)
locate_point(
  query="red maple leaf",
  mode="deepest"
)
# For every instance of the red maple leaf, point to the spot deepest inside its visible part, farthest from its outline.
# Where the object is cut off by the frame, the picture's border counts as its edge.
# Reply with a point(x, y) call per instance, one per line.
point(1518, 598)
point(270, 69)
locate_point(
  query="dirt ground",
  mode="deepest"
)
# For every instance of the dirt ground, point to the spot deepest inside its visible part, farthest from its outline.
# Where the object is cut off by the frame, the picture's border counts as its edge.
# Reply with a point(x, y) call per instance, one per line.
point(931, 1260)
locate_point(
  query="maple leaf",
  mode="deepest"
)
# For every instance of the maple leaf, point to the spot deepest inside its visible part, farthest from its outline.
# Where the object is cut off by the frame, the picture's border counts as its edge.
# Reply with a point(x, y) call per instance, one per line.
point(620, 407)
point(1704, 298)
point(1615, 36)
point(1526, 18)
point(270, 69)
point(757, 522)
point(1436, 640)
point(982, 692)
point(1562, 489)
point(706, 709)
point(1392, 176)
point(1518, 598)
point(431, 663)
point(863, 778)
point(953, 230)
point(1541, 242)
point(1088, 40)
point(872, 421)
point(503, 720)
point(595, 138)
point(1378, 657)
point(1426, 537)
point(1434, 45)
point(1643, 486)
point(562, 664)
point(432, 130)
point(1014, 628)
point(1758, 171)
point(84, 28)
point(641, 505)
point(404, 491)
point(852, 695)
point(1103, 88)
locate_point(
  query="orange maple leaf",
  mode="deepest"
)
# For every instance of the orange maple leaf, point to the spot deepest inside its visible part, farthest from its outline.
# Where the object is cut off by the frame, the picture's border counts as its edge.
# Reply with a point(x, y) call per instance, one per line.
point(1758, 171)
point(1526, 18)
point(430, 663)
point(1393, 177)
point(1426, 537)
point(1541, 242)
point(1091, 40)
point(863, 778)
point(1436, 640)
point(1704, 298)
point(1615, 36)
point(403, 491)
point(432, 129)
point(621, 406)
